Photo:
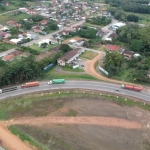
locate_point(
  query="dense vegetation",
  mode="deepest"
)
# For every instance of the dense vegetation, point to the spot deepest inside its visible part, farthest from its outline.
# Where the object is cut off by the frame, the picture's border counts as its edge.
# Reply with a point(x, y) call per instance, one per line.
point(137, 6)
point(99, 20)
point(26, 69)
point(122, 16)
point(136, 38)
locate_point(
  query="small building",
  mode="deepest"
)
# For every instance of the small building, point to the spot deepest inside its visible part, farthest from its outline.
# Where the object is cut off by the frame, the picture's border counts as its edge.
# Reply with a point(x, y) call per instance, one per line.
point(69, 56)
point(43, 22)
point(128, 54)
point(47, 41)
point(4, 34)
point(112, 48)
point(8, 57)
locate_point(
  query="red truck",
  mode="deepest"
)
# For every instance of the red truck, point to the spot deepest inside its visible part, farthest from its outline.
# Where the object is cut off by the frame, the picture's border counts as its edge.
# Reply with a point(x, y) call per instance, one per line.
point(131, 87)
point(30, 84)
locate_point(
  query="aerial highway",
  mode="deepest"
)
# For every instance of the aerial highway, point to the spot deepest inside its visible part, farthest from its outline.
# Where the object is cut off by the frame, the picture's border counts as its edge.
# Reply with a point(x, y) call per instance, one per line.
point(70, 84)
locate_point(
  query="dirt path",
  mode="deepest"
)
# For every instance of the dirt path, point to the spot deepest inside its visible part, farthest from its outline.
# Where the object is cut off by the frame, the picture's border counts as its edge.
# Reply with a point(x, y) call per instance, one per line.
point(105, 121)
point(12, 142)
point(89, 68)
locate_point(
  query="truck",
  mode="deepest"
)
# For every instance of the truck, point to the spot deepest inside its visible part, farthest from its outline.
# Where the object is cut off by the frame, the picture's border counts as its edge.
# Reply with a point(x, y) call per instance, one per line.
point(57, 81)
point(8, 89)
point(30, 84)
point(131, 87)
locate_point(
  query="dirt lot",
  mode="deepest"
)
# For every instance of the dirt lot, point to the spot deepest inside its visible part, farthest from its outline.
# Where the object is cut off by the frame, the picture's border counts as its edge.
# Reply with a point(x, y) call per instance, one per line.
point(81, 124)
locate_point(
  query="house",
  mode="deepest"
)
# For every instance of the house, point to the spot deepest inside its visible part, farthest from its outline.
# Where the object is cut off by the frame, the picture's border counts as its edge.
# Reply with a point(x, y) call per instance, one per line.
point(13, 24)
point(8, 57)
point(128, 54)
point(4, 34)
point(36, 31)
point(43, 22)
point(112, 47)
point(69, 56)
point(23, 10)
point(148, 73)
point(44, 41)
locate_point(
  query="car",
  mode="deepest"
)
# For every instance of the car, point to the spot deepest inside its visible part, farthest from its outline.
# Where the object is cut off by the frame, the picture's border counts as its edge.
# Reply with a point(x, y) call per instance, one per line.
point(117, 90)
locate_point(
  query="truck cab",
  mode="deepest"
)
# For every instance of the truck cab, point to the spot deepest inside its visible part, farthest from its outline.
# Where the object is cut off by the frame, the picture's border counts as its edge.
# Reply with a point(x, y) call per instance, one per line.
point(50, 82)
point(23, 86)
point(1, 91)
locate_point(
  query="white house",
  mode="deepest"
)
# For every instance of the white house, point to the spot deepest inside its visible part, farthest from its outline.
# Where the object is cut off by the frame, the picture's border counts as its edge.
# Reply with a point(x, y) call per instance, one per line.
point(44, 41)
point(118, 25)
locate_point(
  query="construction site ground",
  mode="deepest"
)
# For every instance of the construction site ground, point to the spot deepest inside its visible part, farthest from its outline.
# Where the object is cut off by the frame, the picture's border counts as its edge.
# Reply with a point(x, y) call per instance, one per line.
point(79, 124)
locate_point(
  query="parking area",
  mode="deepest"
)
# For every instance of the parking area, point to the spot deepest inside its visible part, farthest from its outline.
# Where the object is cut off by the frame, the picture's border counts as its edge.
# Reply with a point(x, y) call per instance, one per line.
point(80, 62)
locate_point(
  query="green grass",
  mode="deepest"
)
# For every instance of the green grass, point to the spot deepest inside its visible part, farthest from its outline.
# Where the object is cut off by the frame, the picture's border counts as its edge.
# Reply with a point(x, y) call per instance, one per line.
point(92, 25)
point(72, 112)
point(52, 74)
point(96, 64)
point(6, 46)
point(25, 137)
point(88, 55)
point(144, 18)
point(15, 17)
point(67, 68)
point(28, 101)
point(35, 47)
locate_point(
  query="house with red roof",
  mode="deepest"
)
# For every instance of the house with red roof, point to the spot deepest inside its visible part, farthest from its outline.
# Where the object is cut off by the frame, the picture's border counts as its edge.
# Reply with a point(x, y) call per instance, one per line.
point(112, 48)
point(8, 57)
point(13, 24)
point(43, 22)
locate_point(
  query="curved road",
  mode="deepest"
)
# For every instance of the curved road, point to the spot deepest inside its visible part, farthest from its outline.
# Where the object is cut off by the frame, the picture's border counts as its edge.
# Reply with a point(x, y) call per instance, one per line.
point(102, 86)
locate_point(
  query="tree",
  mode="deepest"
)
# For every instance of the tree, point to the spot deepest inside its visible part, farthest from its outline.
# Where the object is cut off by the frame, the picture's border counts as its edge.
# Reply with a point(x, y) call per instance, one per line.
point(65, 48)
point(136, 45)
point(132, 18)
point(44, 45)
point(113, 62)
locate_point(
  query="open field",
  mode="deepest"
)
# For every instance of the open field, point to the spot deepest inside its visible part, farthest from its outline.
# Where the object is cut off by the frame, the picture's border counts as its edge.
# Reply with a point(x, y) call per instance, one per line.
point(92, 25)
point(77, 121)
point(88, 55)
point(35, 47)
point(12, 16)
point(65, 68)
point(5, 46)
point(55, 74)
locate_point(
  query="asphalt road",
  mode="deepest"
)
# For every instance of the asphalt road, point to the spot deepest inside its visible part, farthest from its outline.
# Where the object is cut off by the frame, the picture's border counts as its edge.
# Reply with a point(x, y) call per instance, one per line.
point(102, 86)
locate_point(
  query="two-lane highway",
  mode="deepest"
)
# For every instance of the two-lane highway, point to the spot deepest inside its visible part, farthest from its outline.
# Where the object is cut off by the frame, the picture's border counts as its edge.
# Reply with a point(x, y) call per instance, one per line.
point(102, 86)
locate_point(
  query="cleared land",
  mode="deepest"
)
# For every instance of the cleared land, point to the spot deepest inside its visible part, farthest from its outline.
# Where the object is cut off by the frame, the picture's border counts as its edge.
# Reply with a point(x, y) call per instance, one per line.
point(12, 16)
point(40, 49)
point(88, 55)
point(74, 122)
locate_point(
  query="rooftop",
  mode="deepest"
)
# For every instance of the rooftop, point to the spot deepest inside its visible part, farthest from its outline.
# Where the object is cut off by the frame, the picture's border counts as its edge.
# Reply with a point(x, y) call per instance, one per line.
point(68, 55)
point(112, 47)
point(8, 57)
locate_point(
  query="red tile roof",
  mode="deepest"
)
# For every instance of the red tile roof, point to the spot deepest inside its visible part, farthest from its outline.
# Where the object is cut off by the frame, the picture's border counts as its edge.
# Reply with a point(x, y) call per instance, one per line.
point(8, 57)
point(112, 47)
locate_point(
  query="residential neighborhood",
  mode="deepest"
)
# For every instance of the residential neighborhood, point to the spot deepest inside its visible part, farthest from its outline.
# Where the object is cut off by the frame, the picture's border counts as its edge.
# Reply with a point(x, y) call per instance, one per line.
point(48, 25)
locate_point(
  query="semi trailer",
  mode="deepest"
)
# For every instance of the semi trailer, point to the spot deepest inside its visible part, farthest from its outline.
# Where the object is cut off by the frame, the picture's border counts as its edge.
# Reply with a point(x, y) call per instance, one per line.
point(29, 84)
point(131, 87)
point(8, 89)
point(57, 81)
